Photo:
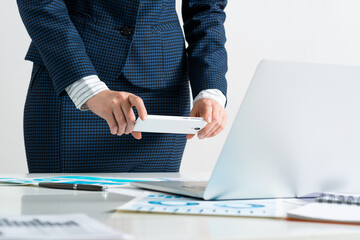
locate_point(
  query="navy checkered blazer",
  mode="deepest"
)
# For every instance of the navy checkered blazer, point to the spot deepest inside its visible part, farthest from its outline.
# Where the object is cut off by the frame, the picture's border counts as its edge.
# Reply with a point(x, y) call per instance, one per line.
point(132, 45)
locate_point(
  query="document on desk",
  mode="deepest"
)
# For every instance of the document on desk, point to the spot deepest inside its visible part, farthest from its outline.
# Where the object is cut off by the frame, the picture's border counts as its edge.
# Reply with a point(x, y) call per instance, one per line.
point(166, 203)
point(101, 181)
point(64, 227)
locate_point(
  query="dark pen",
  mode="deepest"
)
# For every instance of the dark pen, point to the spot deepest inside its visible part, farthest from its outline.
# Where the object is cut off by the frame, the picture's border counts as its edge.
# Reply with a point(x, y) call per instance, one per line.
point(71, 186)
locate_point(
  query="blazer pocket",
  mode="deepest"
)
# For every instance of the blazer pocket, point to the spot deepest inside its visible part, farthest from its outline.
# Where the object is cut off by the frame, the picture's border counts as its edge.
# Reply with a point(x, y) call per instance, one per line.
point(166, 26)
point(37, 68)
point(173, 46)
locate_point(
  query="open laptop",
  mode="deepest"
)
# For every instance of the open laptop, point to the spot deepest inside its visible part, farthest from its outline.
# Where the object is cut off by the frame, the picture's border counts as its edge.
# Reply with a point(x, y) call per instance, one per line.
point(296, 133)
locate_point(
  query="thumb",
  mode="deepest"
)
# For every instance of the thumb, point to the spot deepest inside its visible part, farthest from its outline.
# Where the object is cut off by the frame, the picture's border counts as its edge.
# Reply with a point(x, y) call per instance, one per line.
point(193, 112)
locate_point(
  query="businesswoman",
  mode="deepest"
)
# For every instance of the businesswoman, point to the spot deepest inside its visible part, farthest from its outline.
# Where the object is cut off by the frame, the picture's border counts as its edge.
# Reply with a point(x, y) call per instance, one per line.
point(119, 59)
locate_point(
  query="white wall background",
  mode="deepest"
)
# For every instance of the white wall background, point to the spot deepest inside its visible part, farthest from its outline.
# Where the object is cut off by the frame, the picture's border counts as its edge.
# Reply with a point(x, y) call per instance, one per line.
point(325, 31)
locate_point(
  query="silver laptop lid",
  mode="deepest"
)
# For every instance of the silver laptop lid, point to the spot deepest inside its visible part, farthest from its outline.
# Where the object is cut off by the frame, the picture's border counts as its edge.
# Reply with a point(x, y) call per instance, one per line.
point(297, 132)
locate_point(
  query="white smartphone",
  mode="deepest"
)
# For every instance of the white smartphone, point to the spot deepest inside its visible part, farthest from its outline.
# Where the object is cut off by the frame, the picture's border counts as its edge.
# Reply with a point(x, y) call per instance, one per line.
point(170, 124)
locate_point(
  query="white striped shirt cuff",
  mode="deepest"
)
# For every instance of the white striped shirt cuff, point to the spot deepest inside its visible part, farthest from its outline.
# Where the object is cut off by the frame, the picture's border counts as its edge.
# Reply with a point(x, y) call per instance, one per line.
point(87, 87)
point(84, 89)
point(215, 94)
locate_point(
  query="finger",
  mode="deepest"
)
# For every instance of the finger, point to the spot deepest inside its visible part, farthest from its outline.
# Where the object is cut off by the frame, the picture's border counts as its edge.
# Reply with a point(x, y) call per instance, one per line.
point(136, 135)
point(215, 123)
point(190, 136)
point(207, 111)
point(207, 115)
point(217, 120)
point(221, 128)
point(203, 132)
point(111, 121)
point(129, 116)
point(120, 119)
point(139, 104)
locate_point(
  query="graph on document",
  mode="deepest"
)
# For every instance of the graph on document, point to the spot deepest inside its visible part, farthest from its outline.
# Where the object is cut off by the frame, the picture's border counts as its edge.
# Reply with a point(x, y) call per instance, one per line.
point(164, 203)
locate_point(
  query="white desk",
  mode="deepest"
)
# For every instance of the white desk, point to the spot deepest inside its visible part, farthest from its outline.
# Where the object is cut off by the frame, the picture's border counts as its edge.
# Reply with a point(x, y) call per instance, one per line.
point(100, 205)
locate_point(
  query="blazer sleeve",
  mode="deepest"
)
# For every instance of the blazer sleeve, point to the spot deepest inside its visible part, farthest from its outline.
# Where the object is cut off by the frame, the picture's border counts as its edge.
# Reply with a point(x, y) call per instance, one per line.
point(57, 40)
point(205, 35)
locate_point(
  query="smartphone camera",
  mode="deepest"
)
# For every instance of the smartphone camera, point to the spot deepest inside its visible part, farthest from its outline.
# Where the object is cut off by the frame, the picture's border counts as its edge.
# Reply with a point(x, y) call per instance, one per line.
point(197, 128)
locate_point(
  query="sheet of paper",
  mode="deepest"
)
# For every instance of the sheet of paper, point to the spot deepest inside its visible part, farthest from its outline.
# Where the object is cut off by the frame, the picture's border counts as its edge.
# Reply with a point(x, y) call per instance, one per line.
point(166, 203)
point(109, 182)
point(71, 226)
point(127, 190)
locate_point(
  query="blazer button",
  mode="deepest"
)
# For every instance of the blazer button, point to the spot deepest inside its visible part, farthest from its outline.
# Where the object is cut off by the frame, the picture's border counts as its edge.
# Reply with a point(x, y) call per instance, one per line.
point(125, 30)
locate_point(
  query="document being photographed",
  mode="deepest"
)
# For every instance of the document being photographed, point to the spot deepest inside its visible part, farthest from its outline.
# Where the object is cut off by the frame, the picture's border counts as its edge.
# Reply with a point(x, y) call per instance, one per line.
point(64, 227)
point(167, 203)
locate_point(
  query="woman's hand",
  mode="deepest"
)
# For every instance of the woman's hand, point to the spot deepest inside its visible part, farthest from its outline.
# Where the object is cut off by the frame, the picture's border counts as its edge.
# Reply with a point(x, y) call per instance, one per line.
point(213, 113)
point(116, 108)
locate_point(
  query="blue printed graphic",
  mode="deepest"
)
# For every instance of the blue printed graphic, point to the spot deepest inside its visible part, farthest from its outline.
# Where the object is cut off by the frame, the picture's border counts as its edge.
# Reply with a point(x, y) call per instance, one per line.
point(46, 180)
point(92, 183)
point(73, 180)
point(238, 205)
point(99, 179)
point(164, 196)
point(173, 203)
